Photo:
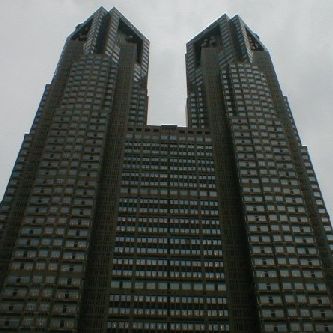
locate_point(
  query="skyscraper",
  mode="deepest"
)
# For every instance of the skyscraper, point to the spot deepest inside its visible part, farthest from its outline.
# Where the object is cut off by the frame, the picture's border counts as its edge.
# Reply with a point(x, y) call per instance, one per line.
point(112, 225)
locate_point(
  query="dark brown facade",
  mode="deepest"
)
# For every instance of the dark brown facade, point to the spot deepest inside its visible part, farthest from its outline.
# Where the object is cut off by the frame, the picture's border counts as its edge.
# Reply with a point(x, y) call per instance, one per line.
point(112, 225)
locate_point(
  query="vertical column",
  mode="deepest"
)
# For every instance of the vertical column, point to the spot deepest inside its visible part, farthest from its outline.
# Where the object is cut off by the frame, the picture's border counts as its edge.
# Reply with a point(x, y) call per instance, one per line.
point(93, 316)
point(242, 303)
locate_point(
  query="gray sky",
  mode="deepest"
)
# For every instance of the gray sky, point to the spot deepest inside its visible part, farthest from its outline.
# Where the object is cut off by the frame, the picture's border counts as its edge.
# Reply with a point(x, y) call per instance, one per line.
point(298, 34)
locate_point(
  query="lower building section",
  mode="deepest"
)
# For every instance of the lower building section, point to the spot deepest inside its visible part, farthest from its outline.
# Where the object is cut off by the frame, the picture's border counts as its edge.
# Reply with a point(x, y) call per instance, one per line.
point(168, 271)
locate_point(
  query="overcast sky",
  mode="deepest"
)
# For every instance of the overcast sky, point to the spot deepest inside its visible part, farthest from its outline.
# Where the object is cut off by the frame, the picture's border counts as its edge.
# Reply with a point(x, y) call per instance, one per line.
point(298, 33)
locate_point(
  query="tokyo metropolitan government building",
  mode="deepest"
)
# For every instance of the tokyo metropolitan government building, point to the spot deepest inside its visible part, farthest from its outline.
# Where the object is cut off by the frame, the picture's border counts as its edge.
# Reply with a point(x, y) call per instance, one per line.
point(112, 225)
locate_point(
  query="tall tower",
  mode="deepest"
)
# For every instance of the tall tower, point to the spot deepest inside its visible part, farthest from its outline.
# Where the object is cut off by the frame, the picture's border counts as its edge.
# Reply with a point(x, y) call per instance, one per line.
point(112, 225)
point(277, 237)
point(62, 196)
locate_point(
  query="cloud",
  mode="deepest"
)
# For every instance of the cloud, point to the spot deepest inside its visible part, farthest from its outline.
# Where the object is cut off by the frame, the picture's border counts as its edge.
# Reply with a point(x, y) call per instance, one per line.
point(298, 34)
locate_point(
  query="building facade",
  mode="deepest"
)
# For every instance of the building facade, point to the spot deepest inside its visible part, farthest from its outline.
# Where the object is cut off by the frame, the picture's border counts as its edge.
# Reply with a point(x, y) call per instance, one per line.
point(112, 225)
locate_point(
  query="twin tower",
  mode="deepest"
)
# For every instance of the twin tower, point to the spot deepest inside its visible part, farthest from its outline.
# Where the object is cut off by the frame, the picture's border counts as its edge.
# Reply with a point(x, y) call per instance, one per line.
point(112, 225)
